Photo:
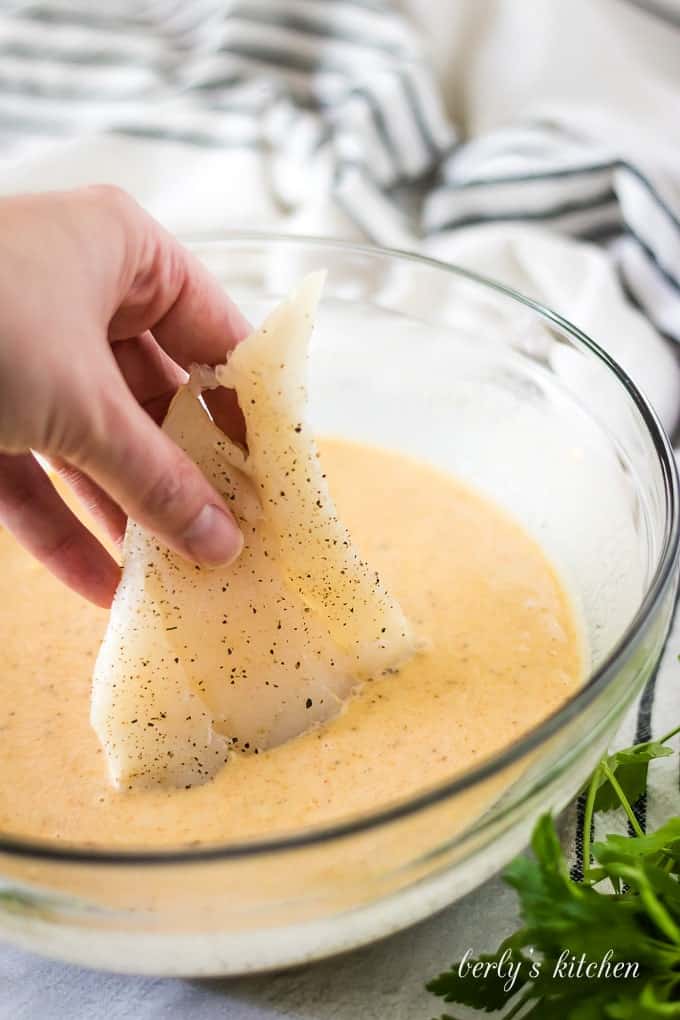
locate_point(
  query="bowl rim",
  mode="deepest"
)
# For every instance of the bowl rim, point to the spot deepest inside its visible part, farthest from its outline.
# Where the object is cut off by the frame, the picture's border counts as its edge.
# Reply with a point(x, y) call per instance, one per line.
point(597, 682)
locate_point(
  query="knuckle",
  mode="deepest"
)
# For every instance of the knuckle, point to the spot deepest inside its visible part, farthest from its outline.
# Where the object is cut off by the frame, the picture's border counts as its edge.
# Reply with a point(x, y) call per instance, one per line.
point(115, 211)
point(71, 427)
point(58, 435)
point(88, 439)
point(173, 264)
point(160, 282)
point(110, 195)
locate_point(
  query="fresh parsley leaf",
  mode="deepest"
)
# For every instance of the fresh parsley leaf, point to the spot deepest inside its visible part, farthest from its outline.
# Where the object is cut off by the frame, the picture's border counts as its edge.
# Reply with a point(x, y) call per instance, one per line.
point(661, 847)
point(630, 768)
point(584, 953)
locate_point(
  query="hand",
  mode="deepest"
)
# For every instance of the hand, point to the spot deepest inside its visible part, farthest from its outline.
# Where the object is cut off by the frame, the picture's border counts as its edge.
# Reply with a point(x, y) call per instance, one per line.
point(101, 313)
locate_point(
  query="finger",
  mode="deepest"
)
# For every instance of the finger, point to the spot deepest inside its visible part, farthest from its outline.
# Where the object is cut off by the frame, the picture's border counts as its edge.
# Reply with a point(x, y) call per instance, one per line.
point(166, 289)
point(103, 511)
point(31, 509)
point(153, 378)
point(151, 375)
point(154, 481)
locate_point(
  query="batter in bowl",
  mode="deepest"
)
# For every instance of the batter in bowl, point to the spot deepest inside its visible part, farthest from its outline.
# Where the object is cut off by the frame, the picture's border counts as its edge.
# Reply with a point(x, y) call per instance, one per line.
point(502, 651)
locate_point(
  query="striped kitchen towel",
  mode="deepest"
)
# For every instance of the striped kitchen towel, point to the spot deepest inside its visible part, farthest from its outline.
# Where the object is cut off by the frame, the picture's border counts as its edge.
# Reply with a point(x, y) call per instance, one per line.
point(490, 134)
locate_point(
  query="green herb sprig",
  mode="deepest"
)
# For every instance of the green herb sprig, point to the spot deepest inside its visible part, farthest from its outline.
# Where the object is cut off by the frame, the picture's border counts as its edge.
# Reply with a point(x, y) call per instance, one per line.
point(626, 912)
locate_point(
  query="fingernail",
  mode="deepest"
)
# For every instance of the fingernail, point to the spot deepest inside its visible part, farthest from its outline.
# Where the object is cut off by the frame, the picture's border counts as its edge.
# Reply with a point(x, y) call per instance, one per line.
point(213, 537)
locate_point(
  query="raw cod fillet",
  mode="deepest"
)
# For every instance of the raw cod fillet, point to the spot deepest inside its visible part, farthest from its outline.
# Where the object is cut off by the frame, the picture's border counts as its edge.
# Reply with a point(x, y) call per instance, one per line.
point(199, 663)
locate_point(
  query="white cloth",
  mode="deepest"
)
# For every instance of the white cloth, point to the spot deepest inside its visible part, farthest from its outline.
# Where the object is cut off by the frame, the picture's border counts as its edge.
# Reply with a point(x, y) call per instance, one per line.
point(507, 137)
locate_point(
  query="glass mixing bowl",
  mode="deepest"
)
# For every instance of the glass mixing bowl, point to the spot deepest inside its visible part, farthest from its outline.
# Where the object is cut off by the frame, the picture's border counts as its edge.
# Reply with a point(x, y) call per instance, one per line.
point(423, 357)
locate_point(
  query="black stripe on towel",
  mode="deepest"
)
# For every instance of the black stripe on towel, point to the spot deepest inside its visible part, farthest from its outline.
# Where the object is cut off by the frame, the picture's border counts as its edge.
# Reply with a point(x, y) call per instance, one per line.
point(668, 277)
point(198, 138)
point(576, 872)
point(602, 234)
point(532, 176)
point(643, 730)
point(565, 172)
point(33, 88)
point(657, 10)
point(635, 301)
point(606, 197)
point(662, 204)
point(75, 55)
point(80, 17)
point(418, 113)
point(312, 25)
point(380, 124)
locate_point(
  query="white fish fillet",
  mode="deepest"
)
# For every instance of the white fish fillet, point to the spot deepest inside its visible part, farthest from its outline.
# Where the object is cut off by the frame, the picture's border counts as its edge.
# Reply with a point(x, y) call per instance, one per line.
point(199, 663)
